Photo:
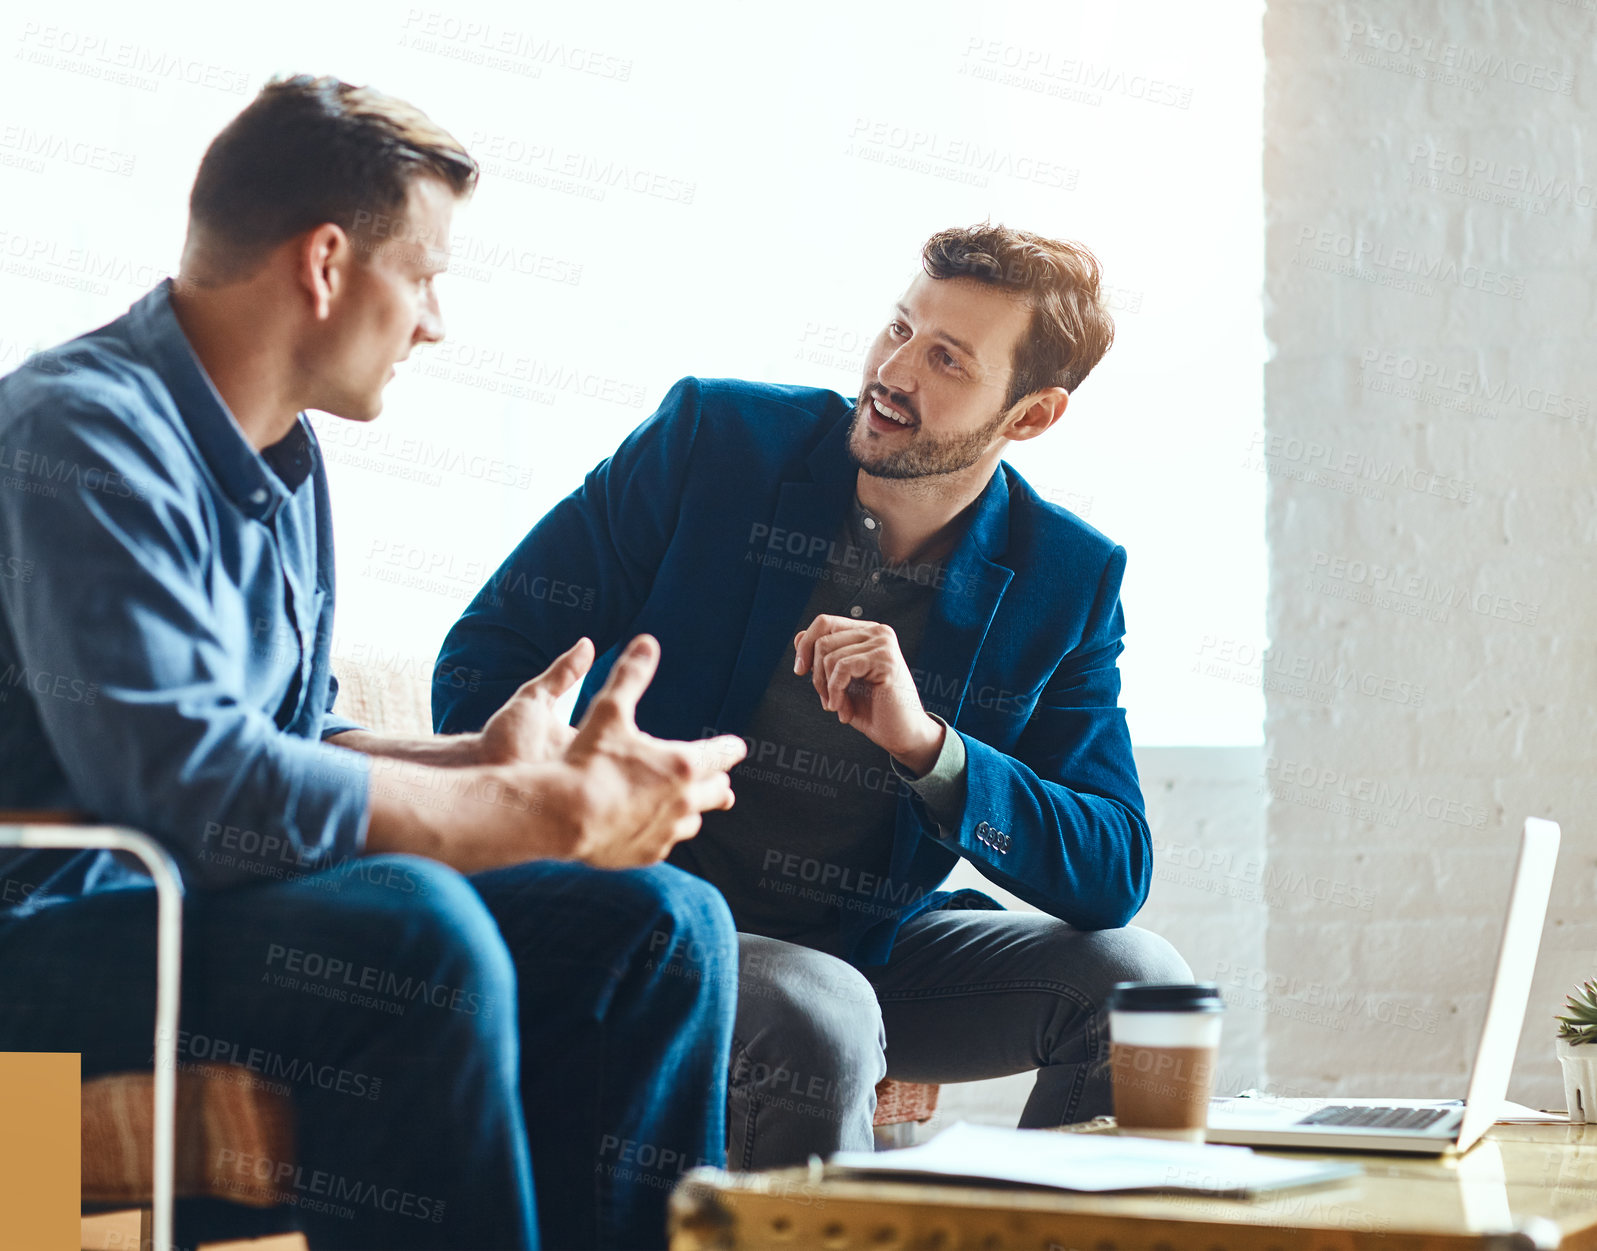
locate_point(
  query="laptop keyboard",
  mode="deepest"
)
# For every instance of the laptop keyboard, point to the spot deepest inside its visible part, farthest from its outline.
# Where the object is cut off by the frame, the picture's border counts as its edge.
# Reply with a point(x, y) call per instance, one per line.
point(1358, 1117)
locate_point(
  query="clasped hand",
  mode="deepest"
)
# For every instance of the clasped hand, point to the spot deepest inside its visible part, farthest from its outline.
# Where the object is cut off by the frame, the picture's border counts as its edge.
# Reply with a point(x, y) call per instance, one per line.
point(860, 674)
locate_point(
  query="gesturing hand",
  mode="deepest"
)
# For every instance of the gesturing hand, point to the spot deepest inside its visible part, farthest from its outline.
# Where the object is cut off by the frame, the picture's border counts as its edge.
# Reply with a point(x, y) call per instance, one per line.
point(637, 795)
point(526, 729)
point(861, 675)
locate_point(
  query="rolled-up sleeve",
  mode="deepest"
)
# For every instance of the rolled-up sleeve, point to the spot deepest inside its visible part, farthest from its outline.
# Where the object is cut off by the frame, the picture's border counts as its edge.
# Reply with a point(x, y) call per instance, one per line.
point(139, 677)
point(332, 722)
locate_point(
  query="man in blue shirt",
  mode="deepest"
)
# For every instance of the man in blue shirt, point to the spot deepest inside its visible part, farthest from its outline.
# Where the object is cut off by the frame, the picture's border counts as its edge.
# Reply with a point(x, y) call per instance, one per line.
point(921, 656)
point(416, 932)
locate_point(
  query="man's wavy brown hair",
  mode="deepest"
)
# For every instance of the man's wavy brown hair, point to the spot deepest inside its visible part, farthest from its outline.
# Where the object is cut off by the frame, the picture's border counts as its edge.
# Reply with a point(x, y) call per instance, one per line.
point(1070, 326)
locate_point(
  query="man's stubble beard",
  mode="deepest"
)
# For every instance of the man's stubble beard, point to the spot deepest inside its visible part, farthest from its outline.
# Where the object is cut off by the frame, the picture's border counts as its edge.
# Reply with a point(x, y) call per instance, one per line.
point(926, 457)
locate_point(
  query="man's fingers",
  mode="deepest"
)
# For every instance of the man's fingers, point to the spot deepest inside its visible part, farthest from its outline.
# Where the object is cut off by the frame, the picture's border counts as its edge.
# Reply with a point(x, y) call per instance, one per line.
point(629, 678)
point(720, 754)
point(846, 664)
point(803, 647)
point(711, 793)
point(804, 641)
point(567, 670)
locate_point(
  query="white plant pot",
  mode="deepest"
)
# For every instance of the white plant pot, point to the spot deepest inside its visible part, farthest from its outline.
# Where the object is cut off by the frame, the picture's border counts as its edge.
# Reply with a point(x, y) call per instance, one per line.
point(1580, 1079)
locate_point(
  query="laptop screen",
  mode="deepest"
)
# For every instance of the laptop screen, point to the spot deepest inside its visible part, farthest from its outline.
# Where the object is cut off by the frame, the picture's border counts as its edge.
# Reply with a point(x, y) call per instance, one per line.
point(1516, 963)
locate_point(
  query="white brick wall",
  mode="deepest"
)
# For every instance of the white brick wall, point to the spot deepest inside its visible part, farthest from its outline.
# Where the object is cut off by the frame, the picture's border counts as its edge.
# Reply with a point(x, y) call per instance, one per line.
point(1430, 205)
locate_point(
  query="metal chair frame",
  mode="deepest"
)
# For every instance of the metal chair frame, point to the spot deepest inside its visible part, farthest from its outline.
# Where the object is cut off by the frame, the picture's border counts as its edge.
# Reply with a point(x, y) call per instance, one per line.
point(168, 974)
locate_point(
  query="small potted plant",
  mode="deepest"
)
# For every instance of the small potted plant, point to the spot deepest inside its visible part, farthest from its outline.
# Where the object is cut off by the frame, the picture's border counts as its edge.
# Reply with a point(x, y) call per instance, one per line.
point(1577, 1052)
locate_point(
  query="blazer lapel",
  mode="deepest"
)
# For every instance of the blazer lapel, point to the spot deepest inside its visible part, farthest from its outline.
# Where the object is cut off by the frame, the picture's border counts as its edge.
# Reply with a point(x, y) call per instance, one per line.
point(973, 584)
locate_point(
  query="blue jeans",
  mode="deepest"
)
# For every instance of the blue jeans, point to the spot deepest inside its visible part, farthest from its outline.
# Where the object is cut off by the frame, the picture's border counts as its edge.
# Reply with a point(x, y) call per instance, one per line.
point(965, 995)
point(443, 1039)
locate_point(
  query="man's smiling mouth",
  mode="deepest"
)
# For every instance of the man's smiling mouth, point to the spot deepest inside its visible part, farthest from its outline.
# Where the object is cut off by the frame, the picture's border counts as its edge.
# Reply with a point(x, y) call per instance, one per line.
point(890, 414)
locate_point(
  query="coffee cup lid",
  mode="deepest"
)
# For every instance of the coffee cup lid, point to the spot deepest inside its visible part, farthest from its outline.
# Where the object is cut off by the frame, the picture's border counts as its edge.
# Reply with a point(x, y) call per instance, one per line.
point(1165, 997)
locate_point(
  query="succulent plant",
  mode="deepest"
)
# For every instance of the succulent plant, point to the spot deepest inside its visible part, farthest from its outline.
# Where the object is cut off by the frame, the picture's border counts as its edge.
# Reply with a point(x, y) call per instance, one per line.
point(1580, 1026)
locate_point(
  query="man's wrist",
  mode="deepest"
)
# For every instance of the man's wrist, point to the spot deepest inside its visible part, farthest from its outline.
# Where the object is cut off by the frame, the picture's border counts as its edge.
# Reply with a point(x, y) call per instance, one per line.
point(920, 758)
point(441, 751)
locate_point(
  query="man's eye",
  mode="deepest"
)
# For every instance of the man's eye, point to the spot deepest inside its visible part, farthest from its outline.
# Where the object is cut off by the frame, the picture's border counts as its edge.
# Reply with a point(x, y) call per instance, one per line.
point(897, 329)
point(949, 360)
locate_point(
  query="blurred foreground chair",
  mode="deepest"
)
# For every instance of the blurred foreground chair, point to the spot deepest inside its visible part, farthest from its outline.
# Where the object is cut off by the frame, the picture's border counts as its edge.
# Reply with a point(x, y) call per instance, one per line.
point(149, 1137)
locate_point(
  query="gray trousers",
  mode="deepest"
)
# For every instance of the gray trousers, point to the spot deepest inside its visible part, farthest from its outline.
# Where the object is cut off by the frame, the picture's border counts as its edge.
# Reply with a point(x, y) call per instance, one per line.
point(965, 995)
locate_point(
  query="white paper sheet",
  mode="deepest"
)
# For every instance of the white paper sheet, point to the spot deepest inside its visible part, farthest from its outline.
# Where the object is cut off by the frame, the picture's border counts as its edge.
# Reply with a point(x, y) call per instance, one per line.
point(1092, 1162)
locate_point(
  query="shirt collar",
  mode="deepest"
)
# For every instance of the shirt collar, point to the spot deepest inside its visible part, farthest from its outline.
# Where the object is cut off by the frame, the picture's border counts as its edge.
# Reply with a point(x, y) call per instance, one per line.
point(864, 530)
point(258, 482)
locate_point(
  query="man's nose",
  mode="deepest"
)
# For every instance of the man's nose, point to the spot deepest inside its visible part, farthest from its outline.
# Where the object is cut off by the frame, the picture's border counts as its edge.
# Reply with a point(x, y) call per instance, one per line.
point(430, 326)
point(896, 373)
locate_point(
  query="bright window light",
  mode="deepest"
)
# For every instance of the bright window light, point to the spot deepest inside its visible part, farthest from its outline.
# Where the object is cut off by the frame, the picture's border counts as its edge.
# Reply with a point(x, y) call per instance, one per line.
point(721, 190)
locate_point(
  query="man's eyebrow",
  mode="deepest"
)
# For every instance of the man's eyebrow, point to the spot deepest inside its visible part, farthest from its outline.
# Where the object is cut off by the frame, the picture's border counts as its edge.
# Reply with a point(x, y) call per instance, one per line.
point(959, 343)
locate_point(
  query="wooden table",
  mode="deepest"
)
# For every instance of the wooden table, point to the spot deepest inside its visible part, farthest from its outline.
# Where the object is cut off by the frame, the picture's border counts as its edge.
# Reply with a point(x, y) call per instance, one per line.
point(1524, 1187)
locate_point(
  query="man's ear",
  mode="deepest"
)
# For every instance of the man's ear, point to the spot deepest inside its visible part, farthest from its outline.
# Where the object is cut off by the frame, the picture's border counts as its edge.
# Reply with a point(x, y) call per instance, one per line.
point(322, 264)
point(1036, 413)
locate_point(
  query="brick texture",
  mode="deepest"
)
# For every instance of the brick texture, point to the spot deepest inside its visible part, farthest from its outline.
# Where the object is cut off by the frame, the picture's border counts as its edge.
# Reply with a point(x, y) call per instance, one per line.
point(1431, 407)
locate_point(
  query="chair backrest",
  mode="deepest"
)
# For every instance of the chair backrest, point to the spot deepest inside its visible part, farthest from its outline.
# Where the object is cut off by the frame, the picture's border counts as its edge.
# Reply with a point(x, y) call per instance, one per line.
point(387, 695)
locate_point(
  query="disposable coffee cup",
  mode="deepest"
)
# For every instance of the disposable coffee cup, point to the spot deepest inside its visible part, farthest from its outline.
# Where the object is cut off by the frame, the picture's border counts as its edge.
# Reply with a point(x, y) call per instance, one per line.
point(1163, 1041)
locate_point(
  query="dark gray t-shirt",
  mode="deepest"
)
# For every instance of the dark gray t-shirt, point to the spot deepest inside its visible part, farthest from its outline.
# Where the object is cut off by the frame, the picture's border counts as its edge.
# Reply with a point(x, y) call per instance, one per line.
point(811, 834)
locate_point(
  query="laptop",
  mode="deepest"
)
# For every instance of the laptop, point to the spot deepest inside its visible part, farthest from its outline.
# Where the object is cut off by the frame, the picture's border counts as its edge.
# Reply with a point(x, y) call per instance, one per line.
point(1423, 1126)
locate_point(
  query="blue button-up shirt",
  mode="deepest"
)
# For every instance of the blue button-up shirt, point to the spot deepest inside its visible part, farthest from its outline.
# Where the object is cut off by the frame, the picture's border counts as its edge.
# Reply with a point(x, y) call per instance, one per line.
point(166, 611)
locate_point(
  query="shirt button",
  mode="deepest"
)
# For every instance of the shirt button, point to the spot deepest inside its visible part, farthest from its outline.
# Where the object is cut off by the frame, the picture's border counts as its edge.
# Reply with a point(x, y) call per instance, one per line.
point(870, 523)
point(258, 496)
point(856, 611)
point(877, 576)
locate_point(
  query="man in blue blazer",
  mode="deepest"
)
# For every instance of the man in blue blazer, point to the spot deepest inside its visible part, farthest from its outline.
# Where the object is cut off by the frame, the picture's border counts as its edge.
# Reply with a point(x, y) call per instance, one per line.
point(920, 654)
